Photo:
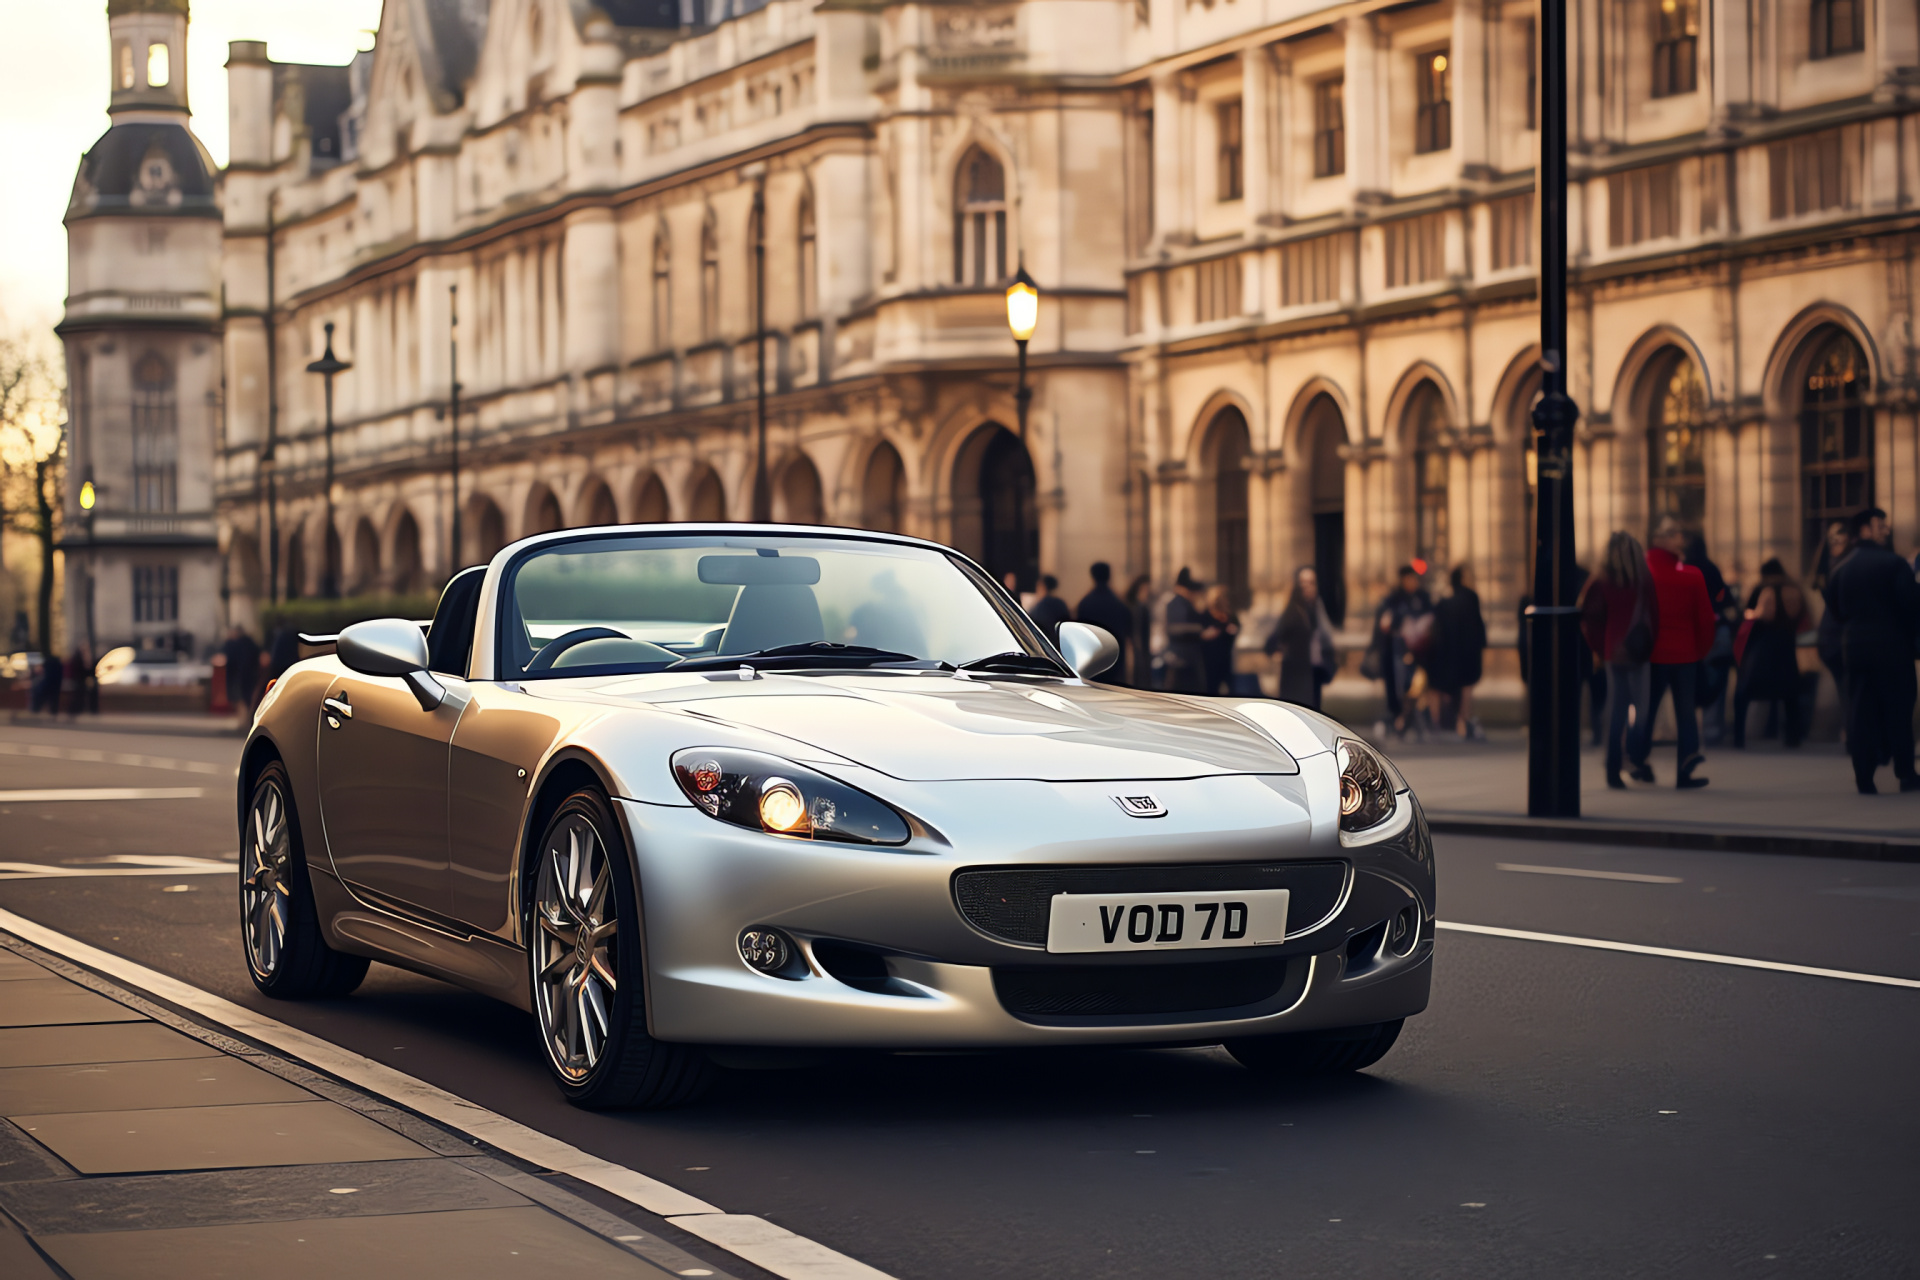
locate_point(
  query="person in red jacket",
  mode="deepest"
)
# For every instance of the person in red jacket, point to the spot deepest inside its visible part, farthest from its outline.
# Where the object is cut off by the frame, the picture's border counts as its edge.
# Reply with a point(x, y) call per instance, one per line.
point(1684, 635)
point(1620, 615)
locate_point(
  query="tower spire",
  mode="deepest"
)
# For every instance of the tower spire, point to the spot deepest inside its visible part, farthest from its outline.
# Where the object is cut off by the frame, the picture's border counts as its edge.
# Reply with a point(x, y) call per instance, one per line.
point(149, 54)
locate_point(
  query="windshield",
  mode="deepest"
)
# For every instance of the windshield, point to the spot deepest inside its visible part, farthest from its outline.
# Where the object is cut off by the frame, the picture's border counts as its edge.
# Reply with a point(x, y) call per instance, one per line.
point(635, 604)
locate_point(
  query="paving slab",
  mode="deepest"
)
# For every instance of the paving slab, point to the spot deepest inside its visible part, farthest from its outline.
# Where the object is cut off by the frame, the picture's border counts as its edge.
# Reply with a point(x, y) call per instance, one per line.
point(134, 1086)
point(275, 1133)
point(100, 1042)
point(51, 1001)
point(19, 1260)
point(475, 1244)
point(228, 1196)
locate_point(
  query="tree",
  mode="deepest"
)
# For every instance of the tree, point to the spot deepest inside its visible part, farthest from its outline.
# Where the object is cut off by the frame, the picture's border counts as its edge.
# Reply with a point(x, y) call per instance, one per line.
point(33, 456)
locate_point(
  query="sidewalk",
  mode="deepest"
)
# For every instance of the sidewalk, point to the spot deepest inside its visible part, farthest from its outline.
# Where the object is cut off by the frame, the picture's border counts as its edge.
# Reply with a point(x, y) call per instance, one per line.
point(136, 1145)
point(1762, 800)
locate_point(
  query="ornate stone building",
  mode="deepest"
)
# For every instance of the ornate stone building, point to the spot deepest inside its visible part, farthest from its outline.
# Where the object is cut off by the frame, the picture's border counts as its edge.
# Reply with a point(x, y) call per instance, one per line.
point(143, 354)
point(1285, 253)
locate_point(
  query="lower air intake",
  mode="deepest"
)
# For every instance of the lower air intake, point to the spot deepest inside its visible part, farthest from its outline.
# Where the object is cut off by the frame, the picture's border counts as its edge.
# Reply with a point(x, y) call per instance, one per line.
point(1123, 990)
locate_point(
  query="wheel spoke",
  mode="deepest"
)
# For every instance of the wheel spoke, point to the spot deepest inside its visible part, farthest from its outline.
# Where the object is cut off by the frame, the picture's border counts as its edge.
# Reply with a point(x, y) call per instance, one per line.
point(605, 971)
point(558, 966)
point(597, 896)
point(590, 1039)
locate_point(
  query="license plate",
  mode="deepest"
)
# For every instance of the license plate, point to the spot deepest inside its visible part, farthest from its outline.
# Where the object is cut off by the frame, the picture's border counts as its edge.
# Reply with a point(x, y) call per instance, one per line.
point(1082, 922)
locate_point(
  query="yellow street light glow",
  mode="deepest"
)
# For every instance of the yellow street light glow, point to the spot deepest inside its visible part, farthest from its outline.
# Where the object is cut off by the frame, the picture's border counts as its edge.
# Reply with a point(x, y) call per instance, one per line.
point(86, 496)
point(783, 809)
point(1439, 62)
point(1023, 306)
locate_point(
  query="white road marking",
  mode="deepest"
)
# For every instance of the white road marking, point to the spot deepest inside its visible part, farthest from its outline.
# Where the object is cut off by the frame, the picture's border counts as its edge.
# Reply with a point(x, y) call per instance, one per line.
point(88, 755)
point(769, 1247)
point(1670, 953)
point(1586, 874)
point(142, 866)
point(101, 793)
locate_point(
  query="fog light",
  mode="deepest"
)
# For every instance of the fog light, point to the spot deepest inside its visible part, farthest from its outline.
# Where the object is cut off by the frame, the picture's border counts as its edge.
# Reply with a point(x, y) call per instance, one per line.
point(784, 809)
point(766, 950)
point(1403, 932)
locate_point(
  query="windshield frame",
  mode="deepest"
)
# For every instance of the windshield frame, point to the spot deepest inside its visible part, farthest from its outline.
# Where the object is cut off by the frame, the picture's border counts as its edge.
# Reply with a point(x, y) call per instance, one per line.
point(507, 565)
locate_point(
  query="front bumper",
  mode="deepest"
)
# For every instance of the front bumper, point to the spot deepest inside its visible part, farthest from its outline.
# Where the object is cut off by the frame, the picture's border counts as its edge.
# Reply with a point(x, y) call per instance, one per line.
point(928, 976)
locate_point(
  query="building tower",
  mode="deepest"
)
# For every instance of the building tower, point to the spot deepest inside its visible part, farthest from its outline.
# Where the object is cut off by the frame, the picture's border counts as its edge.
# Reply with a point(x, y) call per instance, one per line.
point(142, 337)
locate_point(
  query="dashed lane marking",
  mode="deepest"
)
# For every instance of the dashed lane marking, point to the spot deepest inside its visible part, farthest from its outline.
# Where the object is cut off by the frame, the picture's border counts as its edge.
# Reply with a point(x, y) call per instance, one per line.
point(133, 865)
point(1671, 953)
point(771, 1248)
point(49, 794)
point(88, 755)
point(1587, 874)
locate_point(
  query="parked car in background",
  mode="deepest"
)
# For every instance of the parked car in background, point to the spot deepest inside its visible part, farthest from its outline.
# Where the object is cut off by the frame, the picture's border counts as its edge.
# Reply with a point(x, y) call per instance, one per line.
point(163, 668)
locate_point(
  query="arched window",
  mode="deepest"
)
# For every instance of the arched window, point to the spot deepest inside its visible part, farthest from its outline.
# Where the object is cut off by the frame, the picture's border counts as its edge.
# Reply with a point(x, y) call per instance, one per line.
point(796, 497)
point(366, 558)
point(409, 571)
point(1836, 436)
point(599, 510)
point(1427, 426)
point(1325, 432)
point(1228, 449)
point(709, 502)
point(156, 436)
point(662, 289)
point(809, 261)
point(650, 507)
point(1676, 443)
point(979, 220)
point(709, 280)
point(886, 484)
point(543, 513)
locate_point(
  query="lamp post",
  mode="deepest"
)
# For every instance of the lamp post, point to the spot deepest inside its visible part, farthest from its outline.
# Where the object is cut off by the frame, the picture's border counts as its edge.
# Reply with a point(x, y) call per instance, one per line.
point(453, 417)
point(762, 487)
point(327, 366)
point(1023, 316)
point(89, 499)
point(1553, 632)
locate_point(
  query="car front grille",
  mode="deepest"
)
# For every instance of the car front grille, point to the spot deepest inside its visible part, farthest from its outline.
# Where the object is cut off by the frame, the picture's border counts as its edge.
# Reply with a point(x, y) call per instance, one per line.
point(1013, 903)
point(1105, 991)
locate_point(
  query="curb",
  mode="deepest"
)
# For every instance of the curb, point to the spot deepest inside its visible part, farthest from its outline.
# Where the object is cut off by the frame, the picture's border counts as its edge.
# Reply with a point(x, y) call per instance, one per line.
point(1581, 831)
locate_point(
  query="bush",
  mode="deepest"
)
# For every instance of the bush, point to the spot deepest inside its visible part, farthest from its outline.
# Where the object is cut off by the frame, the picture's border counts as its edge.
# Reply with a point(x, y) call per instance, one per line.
point(328, 617)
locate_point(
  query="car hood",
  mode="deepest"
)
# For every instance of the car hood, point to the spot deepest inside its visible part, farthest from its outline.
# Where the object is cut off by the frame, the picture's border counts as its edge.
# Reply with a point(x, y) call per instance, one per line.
point(931, 728)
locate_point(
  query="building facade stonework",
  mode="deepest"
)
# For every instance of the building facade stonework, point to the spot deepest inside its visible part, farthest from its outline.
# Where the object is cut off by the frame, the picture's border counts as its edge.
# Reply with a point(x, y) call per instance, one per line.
point(1285, 253)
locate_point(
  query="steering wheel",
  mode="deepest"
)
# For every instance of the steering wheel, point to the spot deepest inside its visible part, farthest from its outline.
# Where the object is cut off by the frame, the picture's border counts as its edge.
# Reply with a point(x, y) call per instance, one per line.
point(550, 651)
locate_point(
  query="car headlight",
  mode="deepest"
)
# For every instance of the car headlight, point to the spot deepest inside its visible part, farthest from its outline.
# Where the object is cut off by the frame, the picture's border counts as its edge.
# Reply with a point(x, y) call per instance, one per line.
point(1367, 789)
point(763, 793)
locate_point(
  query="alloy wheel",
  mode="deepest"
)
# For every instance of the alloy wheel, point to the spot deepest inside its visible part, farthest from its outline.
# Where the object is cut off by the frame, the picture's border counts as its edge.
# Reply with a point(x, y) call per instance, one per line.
point(575, 961)
point(265, 890)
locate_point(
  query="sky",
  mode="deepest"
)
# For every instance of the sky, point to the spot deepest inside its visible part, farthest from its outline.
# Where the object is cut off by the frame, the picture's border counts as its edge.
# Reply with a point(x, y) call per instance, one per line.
point(53, 106)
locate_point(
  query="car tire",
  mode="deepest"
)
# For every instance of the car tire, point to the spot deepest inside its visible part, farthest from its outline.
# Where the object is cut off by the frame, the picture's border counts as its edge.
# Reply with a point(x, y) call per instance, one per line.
point(1317, 1053)
point(287, 954)
point(588, 995)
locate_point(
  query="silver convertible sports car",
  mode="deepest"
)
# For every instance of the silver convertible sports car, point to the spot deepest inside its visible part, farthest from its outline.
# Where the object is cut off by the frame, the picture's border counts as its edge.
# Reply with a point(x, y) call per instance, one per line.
point(706, 794)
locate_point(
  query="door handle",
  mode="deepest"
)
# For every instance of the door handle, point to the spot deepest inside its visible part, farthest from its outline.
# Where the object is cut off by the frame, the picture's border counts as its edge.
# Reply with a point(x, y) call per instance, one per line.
point(337, 710)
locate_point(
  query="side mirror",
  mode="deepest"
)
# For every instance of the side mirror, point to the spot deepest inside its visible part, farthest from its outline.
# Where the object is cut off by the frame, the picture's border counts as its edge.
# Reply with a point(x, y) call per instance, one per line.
point(391, 647)
point(1088, 650)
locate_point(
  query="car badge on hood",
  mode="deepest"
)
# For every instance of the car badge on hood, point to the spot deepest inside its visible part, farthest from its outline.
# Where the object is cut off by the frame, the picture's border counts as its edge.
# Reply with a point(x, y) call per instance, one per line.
point(1141, 806)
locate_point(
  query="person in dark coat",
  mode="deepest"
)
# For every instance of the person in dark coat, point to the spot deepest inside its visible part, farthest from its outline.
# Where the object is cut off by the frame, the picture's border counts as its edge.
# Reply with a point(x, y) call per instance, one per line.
point(243, 668)
point(1839, 546)
point(1769, 664)
point(1049, 610)
point(1101, 608)
point(1402, 613)
point(1139, 602)
point(1186, 624)
point(1218, 638)
point(1619, 616)
point(1459, 648)
point(1717, 667)
point(53, 674)
point(1877, 604)
point(1304, 639)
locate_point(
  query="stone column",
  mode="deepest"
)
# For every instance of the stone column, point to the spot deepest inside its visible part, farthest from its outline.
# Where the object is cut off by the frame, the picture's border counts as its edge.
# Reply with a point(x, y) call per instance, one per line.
point(1468, 61)
point(1257, 120)
point(1366, 105)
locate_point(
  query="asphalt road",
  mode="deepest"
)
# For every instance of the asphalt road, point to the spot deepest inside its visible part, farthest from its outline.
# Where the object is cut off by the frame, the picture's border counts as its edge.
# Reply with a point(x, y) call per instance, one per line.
point(1557, 1111)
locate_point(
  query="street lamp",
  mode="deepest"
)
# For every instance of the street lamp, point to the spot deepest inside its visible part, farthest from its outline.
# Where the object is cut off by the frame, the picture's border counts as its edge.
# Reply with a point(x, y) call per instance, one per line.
point(1023, 316)
point(1553, 631)
point(89, 499)
point(327, 366)
point(762, 485)
point(453, 416)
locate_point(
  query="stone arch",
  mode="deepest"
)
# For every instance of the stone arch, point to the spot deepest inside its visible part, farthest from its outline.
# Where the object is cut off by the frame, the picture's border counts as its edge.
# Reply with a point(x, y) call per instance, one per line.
point(650, 499)
point(996, 517)
point(1319, 489)
point(595, 505)
point(982, 218)
point(1671, 406)
point(1426, 430)
point(406, 572)
point(363, 569)
point(1832, 404)
point(883, 489)
point(483, 529)
point(1193, 449)
point(542, 512)
point(1513, 397)
point(797, 494)
point(706, 498)
point(1507, 573)
point(1631, 380)
point(1226, 454)
point(1295, 422)
point(1398, 423)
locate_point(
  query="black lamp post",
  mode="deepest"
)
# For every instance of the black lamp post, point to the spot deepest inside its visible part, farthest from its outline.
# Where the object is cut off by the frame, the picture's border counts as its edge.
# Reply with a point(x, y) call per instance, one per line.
point(762, 486)
point(453, 417)
point(89, 499)
point(1023, 317)
point(1553, 632)
point(327, 366)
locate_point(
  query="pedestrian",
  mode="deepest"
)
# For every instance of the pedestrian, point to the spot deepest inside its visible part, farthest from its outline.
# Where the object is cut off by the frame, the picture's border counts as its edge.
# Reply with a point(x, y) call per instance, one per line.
point(243, 667)
point(1837, 547)
point(1619, 615)
point(1717, 666)
point(1048, 610)
point(1775, 616)
point(1186, 620)
point(1101, 608)
point(1303, 637)
point(1402, 629)
point(1218, 638)
point(1139, 601)
point(1458, 656)
point(282, 651)
point(86, 687)
point(1877, 603)
point(53, 674)
point(1684, 636)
